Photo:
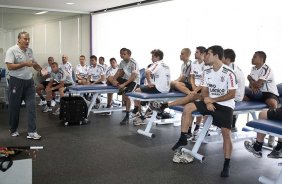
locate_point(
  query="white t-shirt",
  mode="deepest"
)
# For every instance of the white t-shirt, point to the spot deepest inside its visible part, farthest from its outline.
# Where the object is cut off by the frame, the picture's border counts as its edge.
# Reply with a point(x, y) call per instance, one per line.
point(15, 55)
point(185, 71)
point(60, 76)
point(105, 67)
point(219, 83)
point(160, 76)
point(96, 72)
point(240, 91)
point(266, 74)
point(128, 68)
point(67, 68)
point(197, 69)
point(82, 70)
point(49, 70)
point(111, 71)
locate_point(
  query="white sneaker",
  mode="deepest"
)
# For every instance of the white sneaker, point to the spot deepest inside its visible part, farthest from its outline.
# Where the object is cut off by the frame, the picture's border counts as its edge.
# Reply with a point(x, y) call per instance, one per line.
point(138, 121)
point(42, 102)
point(15, 134)
point(53, 103)
point(182, 157)
point(46, 108)
point(57, 112)
point(33, 135)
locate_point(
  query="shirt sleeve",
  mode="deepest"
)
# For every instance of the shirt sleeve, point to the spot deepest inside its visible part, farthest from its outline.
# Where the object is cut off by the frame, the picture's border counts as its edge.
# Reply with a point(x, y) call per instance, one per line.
point(264, 73)
point(120, 66)
point(10, 57)
point(232, 81)
point(134, 67)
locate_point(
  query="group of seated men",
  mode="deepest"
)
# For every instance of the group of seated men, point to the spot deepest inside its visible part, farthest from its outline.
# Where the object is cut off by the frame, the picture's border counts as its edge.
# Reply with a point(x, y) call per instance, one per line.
point(212, 83)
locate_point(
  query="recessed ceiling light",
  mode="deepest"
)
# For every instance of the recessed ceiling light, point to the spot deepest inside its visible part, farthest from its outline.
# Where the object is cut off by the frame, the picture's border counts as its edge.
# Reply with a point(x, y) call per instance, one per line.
point(70, 3)
point(42, 12)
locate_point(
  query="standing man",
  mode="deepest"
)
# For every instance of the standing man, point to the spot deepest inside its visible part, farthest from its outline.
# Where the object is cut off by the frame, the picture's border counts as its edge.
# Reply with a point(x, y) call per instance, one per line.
point(218, 92)
point(19, 60)
point(81, 71)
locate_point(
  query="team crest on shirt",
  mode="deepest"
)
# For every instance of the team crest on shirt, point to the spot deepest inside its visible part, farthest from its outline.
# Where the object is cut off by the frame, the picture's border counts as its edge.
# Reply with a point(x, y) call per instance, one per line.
point(222, 79)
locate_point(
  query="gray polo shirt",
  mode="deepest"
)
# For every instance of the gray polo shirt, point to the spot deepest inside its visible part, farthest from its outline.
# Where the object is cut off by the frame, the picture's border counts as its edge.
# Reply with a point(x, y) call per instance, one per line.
point(128, 68)
point(15, 55)
point(61, 75)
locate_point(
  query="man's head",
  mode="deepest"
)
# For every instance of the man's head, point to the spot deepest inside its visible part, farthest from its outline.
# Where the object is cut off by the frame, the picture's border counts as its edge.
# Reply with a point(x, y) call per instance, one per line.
point(200, 52)
point(54, 67)
point(93, 60)
point(157, 55)
point(215, 53)
point(101, 60)
point(50, 60)
point(113, 62)
point(64, 59)
point(228, 56)
point(23, 40)
point(121, 52)
point(82, 60)
point(259, 58)
point(126, 55)
point(185, 54)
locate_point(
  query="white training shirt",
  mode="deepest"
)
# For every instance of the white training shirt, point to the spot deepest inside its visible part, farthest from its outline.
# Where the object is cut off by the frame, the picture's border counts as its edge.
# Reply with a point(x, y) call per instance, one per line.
point(67, 68)
point(49, 70)
point(266, 74)
point(96, 72)
point(160, 76)
point(82, 70)
point(219, 83)
point(197, 69)
point(15, 55)
point(105, 67)
point(240, 91)
point(185, 71)
point(111, 71)
point(60, 76)
point(128, 68)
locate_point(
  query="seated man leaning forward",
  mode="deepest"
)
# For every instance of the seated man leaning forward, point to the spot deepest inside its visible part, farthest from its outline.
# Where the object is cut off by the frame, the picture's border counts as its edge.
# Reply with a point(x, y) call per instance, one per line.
point(218, 92)
point(158, 81)
point(255, 147)
point(127, 78)
point(58, 81)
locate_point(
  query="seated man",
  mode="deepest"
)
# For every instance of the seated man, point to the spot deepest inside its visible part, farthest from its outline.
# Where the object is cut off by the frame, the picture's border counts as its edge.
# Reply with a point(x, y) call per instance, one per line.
point(262, 85)
point(96, 73)
point(218, 92)
point(127, 78)
point(229, 59)
point(43, 84)
point(256, 147)
point(58, 81)
point(157, 81)
point(102, 63)
point(183, 83)
point(81, 71)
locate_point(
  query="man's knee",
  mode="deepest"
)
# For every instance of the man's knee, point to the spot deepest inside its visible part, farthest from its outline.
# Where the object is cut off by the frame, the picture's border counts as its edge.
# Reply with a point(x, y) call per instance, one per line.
point(225, 133)
point(189, 108)
point(263, 114)
point(272, 103)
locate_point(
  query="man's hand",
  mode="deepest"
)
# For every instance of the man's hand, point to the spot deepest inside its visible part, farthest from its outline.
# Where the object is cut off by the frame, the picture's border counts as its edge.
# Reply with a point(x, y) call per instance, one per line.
point(120, 86)
point(29, 63)
point(208, 100)
point(48, 89)
point(150, 85)
point(210, 107)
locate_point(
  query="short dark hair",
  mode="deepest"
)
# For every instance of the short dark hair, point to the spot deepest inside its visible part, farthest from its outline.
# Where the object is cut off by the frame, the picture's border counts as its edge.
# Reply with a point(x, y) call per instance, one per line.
point(82, 56)
point(128, 51)
point(201, 49)
point(113, 59)
point(229, 54)
point(158, 53)
point(21, 33)
point(122, 49)
point(217, 50)
point(93, 57)
point(55, 63)
point(50, 58)
point(261, 54)
point(102, 58)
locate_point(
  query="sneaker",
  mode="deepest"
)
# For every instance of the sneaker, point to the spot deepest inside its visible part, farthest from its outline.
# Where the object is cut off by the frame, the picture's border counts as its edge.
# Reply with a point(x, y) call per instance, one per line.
point(15, 134)
point(57, 112)
point(33, 135)
point(98, 103)
point(189, 136)
point(138, 121)
point(182, 157)
point(250, 147)
point(53, 103)
point(134, 115)
point(47, 109)
point(271, 141)
point(195, 135)
point(148, 113)
point(124, 121)
point(42, 102)
point(156, 106)
point(275, 154)
point(108, 113)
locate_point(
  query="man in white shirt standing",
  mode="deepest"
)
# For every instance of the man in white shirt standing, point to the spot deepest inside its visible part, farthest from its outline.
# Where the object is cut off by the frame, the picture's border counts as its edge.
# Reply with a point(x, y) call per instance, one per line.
point(81, 71)
point(218, 93)
point(19, 60)
point(229, 59)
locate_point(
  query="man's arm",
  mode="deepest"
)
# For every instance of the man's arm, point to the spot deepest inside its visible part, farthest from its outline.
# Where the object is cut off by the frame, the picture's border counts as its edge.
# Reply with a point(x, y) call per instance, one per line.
point(102, 78)
point(37, 67)
point(15, 66)
point(227, 96)
point(131, 78)
point(118, 74)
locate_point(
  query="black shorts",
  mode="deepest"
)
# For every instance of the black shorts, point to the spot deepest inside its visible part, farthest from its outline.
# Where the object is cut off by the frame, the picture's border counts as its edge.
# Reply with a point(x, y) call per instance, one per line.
point(275, 114)
point(261, 96)
point(45, 83)
point(96, 83)
point(222, 116)
point(131, 86)
point(146, 89)
point(56, 84)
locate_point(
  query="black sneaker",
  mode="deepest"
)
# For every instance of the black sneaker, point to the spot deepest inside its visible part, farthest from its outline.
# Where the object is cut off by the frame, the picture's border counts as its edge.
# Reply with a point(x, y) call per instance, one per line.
point(225, 172)
point(275, 154)
point(124, 121)
point(250, 147)
point(156, 106)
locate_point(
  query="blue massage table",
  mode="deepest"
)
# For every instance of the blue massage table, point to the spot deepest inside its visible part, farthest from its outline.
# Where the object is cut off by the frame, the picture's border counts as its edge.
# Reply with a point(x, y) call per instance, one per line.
point(160, 97)
point(273, 128)
point(95, 90)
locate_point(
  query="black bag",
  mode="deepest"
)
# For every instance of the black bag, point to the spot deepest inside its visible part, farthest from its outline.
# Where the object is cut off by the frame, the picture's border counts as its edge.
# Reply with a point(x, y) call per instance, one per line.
point(73, 110)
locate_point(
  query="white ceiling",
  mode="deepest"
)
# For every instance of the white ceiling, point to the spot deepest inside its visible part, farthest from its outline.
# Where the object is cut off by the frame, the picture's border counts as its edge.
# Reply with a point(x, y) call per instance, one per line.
point(80, 6)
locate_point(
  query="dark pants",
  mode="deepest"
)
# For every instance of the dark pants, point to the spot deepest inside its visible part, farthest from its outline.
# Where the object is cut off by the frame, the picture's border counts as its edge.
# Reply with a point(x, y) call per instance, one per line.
point(19, 90)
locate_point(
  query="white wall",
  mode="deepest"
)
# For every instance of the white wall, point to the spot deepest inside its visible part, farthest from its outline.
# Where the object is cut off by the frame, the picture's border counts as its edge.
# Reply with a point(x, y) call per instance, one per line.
point(245, 26)
point(70, 36)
